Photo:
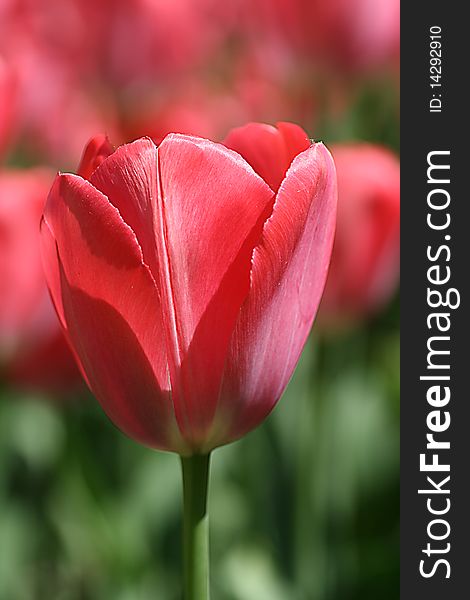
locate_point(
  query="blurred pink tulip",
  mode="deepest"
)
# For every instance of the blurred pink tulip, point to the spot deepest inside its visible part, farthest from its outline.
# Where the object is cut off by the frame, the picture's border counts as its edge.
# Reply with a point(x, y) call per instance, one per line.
point(353, 35)
point(59, 102)
point(33, 350)
point(364, 269)
point(73, 114)
point(68, 32)
point(146, 40)
point(7, 104)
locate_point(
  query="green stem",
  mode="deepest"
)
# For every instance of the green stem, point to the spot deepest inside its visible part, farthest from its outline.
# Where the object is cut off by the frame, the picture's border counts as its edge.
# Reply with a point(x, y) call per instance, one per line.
point(196, 526)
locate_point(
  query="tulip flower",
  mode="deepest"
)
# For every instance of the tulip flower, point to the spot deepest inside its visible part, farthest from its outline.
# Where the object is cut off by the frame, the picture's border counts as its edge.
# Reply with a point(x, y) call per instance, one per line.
point(351, 35)
point(364, 268)
point(148, 39)
point(7, 104)
point(48, 65)
point(186, 278)
point(33, 351)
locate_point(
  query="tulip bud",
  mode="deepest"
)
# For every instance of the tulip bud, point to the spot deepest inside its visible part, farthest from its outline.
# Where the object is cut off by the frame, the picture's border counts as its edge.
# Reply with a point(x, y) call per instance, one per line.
point(187, 277)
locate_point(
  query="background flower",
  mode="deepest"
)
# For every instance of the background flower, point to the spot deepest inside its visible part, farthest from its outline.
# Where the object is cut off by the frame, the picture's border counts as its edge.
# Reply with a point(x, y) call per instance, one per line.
point(365, 265)
point(33, 350)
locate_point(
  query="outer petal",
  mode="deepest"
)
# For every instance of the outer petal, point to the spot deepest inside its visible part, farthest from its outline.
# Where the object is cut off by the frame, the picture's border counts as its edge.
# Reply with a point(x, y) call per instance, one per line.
point(212, 207)
point(112, 311)
point(290, 266)
point(51, 267)
point(269, 150)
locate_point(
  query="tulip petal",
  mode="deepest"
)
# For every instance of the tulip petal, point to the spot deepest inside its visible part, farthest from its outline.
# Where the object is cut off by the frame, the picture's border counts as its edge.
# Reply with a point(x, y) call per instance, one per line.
point(97, 150)
point(51, 269)
point(50, 262)
point(213, 207)
point(269, 150)
point(129, 180)
point(112, 309)
point(290, 266)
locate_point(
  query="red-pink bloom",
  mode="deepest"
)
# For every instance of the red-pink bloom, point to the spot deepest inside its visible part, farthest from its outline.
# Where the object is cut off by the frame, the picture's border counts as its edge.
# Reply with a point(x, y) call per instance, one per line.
point(147, 39)
point(73, 115)
point(7, 104)
point(353, 35)
point(187, 282)
point(58, 103)
point(364, 267)
point(32, 347)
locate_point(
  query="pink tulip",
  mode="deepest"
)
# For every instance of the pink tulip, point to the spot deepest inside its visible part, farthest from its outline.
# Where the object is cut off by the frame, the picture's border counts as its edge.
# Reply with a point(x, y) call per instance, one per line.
point(365, 263)
point(49, 47)
point(187, 279)
point(147, 39)
point(353, 35)
point(7, 104)
point(74, 115)
point(32, 347)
